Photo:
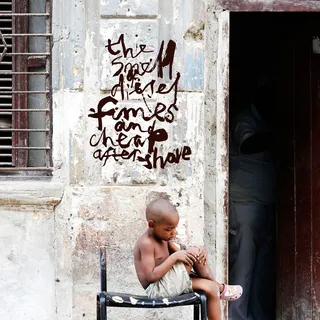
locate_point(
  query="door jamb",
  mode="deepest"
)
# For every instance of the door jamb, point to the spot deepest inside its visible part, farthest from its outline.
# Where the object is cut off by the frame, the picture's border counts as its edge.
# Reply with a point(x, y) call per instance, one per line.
point(219, 10)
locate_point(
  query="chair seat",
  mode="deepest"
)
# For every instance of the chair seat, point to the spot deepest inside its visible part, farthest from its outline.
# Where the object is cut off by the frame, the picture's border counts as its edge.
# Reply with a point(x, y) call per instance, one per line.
point(125, 300)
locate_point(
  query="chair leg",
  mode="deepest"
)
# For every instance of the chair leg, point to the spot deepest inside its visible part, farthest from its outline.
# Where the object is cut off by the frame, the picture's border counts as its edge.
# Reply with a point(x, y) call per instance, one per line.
point(196, 312)
point(103, 307)
point(203, 306)
point(98, 307)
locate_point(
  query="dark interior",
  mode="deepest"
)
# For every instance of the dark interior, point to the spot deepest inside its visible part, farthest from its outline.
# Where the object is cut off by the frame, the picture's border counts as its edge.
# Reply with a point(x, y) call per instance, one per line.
point(279, 45)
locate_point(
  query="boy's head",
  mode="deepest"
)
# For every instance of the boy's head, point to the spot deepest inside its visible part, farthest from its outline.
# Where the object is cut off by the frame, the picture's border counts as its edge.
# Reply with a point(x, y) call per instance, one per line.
point(163, 219)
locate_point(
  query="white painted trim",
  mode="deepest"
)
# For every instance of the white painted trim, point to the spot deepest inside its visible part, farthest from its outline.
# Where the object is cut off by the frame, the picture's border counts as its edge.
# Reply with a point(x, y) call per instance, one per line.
point(216, 143)
point(222, 145)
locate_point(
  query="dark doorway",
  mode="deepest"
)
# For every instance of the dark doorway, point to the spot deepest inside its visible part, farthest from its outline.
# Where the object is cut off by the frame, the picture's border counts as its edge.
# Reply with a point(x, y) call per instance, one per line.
point(283, 47)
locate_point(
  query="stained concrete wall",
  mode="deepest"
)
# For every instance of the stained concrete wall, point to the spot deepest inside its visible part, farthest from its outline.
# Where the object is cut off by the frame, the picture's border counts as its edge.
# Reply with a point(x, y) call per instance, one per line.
point(52, 229)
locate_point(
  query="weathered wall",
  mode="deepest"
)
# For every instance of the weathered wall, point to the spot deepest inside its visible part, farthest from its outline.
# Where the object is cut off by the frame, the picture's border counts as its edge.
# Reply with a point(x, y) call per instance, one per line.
point(108, 203)
point(51, 246)
point(27, 240)
point(27, 277)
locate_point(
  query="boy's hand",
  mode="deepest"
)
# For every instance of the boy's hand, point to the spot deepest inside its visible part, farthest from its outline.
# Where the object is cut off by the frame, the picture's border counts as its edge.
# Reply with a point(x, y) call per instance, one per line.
point(194, 251)
point(202, 255)
point(185, 257)
point(199, 253)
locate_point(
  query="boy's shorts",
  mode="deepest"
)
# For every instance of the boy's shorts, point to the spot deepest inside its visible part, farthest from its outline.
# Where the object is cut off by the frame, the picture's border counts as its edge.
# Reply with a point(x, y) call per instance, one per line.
point(175, 282)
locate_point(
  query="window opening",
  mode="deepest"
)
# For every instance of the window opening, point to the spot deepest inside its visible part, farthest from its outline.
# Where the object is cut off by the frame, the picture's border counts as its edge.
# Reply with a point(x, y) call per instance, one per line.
point(25, 86)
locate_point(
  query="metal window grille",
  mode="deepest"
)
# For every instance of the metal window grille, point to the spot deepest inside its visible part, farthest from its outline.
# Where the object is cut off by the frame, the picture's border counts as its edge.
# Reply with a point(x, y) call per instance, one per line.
point(25, 87)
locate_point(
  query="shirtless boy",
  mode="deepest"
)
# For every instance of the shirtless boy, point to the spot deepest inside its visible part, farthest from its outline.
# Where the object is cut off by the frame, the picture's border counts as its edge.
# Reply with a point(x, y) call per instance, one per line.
point(163, 269)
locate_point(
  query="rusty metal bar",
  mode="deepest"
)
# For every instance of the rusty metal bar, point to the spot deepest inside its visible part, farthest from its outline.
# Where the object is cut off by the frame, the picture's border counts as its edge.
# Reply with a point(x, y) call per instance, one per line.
point(3, 14)
point(48, 85)
point(29, 73)
point(10, 35)
point(23, 148)
point(21, 92)
point(28, 54)
point(27, 169)
point(24, 110)
point(24, 130)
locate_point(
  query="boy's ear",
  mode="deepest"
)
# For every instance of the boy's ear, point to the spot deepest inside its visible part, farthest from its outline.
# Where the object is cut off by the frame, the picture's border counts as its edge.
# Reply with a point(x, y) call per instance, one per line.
point(151, 224)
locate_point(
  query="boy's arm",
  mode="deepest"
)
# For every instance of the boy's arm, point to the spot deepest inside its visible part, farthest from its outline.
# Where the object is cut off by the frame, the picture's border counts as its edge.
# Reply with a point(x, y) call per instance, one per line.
point(172, 247)
point(154, 273)
point(198, 252)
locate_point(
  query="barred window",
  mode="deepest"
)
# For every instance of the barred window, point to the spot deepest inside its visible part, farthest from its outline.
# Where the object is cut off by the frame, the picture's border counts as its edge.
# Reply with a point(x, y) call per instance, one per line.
point(25, 87)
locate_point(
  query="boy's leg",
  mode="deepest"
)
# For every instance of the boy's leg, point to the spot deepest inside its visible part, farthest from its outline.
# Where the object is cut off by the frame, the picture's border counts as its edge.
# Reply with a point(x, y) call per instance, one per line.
point(204, 271)
point(212, 292)
point(227, 292)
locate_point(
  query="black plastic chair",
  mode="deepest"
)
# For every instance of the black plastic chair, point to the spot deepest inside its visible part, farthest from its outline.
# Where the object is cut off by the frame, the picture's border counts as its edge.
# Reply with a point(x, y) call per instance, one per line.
point(123, 300)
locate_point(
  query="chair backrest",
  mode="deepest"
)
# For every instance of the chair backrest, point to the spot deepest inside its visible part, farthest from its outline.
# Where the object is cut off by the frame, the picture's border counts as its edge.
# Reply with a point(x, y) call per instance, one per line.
point(103, 268)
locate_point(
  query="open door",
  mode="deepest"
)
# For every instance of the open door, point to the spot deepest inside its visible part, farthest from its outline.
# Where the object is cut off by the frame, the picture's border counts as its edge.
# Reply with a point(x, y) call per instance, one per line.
point(298, 278)
point(284, 45)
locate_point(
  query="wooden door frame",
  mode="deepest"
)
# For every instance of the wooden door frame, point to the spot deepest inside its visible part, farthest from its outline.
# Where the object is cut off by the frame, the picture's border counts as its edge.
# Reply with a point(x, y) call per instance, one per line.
point(217, 98)
point(261, 5)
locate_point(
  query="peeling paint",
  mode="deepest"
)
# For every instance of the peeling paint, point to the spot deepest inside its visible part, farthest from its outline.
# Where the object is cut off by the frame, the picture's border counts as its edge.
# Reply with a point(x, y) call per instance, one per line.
point(89, 239)
point(195, 32)
point(117, 299)
point(133, 300)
